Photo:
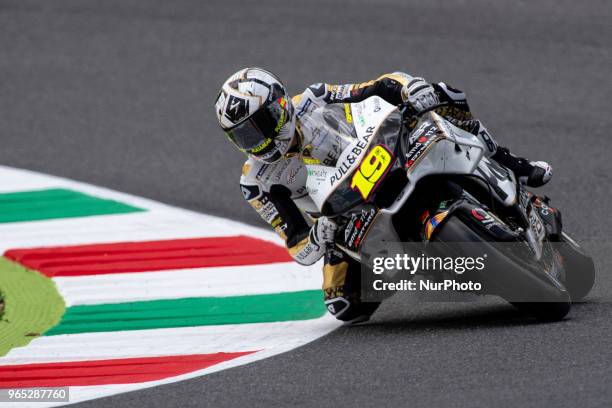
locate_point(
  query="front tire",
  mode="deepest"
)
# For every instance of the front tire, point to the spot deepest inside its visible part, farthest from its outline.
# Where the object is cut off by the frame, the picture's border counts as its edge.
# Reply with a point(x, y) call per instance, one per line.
point(579, 268)
point(508, 278)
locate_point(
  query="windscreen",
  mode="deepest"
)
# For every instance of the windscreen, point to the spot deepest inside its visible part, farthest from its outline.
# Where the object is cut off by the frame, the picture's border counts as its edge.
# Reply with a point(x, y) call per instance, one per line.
point(359, 183)
point(327, 131)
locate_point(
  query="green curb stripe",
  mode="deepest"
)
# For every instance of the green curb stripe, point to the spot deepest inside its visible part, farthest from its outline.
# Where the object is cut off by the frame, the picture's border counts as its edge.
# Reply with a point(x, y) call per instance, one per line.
point(56, 203)
point(32, 305)
point(191, 312)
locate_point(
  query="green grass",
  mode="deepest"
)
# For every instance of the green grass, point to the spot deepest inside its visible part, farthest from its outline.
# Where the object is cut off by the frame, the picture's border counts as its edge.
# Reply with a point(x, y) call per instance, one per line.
point(32, 305)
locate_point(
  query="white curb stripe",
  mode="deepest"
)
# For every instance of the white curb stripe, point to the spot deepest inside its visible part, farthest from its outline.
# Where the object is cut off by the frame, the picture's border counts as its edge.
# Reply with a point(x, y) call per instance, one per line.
point(199, 282)
point(167, 342)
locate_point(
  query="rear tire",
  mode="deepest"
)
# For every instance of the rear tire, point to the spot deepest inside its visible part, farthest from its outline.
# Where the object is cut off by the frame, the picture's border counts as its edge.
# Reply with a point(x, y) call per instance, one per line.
point(510, 279)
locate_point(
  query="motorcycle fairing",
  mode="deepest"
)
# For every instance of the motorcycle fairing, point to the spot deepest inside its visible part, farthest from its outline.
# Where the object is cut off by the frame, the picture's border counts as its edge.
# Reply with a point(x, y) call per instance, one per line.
point(323, 180)
point(355, 226)
point(474, 214)
point(502, 181)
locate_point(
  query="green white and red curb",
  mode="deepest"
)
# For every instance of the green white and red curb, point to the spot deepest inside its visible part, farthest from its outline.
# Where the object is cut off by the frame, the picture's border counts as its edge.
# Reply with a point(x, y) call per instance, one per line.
point(150, 294)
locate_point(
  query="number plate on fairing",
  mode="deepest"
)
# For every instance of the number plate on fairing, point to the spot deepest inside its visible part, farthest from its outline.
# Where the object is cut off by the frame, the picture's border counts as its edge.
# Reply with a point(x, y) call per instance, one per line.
point(323, 181)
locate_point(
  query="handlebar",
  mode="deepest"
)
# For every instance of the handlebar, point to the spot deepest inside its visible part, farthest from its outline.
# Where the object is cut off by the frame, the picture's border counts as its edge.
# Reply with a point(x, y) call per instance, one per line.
point(409, 113)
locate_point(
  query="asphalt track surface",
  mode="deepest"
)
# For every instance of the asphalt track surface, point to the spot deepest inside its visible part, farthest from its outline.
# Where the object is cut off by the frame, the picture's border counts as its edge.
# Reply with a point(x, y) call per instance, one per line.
point(119, 92)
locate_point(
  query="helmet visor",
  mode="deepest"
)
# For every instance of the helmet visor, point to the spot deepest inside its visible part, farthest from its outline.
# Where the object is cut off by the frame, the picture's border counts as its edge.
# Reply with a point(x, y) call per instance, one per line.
point(257, 132)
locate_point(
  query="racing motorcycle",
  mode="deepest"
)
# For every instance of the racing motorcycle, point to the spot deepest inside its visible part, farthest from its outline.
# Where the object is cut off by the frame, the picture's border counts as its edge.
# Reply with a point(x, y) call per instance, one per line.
point(387, 175)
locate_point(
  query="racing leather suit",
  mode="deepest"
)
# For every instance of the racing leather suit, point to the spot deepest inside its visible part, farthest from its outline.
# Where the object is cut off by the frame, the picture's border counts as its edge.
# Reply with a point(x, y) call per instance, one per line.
point(278, 191)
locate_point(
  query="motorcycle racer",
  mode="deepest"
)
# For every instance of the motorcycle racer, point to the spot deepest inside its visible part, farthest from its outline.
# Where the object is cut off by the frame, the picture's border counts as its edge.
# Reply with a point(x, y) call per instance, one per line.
point(257, 114)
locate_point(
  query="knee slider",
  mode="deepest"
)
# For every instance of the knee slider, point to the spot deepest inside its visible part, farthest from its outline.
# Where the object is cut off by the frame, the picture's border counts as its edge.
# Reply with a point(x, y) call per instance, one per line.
point(338, 307)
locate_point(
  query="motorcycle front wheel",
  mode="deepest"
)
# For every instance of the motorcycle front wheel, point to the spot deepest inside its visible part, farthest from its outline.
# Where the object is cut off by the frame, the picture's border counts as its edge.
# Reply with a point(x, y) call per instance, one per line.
point(579, 268)
point(506, 274)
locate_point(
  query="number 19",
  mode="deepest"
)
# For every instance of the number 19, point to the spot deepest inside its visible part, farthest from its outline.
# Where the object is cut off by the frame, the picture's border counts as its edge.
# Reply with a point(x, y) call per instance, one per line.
point(372, 168)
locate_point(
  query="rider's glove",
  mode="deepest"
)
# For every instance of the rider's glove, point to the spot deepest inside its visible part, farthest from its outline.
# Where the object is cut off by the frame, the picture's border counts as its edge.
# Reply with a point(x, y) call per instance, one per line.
point(420, 94)
point(323, 232)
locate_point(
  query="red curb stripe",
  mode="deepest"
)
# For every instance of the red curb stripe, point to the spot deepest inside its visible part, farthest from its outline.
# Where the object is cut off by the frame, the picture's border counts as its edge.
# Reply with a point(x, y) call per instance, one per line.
point(104, 372)
point(149, 256)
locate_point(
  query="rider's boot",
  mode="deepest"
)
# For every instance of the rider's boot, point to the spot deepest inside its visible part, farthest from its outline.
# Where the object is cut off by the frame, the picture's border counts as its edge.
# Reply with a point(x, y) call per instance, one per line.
point(531, 173)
